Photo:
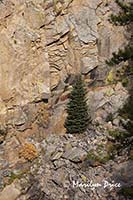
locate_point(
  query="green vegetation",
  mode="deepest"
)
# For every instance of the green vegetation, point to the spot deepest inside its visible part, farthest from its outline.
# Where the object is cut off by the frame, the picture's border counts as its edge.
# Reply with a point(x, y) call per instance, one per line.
point(100, 155)
point(125, 82)
point(123, 138)
point(122, 55)
point(109, 117)
point(127, 113)
point(124, 17)
point(14, 176)
point(131, 154)
point(127, 191)
point(78, 118)
point(94, 157)
point(118, 134)
point(127, 110)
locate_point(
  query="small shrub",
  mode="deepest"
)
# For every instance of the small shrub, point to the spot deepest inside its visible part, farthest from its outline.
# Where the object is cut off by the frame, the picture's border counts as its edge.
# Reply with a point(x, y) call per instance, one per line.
point(28, 152)
point(99, 155)
point(127, 108)
point(109, 117)
point(127, 191)
point(127, 113)
point(118, 134)
point(125, 82)
point(121, 139)
point(14, 176)
point(131, 154)
point(111, 149)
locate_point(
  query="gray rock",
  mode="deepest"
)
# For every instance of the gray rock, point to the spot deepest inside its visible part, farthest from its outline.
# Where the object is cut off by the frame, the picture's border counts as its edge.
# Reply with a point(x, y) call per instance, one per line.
point(61, 25)
point(116, 122)
point(59, 176)
point(59, 163)
point(123, 173)
point(85, 21)
point(89, 63)
point(10, 192)
point(56, 155)
point(75, 154)
point(50, 150)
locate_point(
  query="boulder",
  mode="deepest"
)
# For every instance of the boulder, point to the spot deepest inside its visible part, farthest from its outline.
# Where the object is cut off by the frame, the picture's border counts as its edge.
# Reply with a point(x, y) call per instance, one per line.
point(10, 192)
point(75, 154)
point(89, 63)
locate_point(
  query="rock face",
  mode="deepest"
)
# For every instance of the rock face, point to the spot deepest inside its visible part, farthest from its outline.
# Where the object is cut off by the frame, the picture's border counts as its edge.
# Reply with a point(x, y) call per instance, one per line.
point(43, 44)
point(106, 100)
point(10, 192)
point(59, 170)
point(24, 71)
point(75, 154)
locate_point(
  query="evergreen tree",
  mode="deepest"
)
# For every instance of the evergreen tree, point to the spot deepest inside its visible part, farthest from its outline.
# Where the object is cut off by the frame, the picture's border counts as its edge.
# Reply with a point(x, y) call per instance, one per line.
point(78, 118)
point(122, 55)
point(124, 17)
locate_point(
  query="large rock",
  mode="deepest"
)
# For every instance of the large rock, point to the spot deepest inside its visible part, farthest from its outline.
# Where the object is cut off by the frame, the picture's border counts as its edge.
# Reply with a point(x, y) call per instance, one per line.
point(23, 58)
point(89, 64)
point(106, 100)
point(10, 192)
point(85, 21)
point(75, 154)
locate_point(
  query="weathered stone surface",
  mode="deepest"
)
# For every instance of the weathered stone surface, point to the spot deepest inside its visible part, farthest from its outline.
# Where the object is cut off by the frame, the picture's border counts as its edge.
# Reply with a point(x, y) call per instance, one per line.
point(59, 176)
point(62, 26)
point(55, 79)
point(23, 57)
point(55, 179)
point(89, 64)
point(43, 44)
point(56, 156)
point(75, 154)
point(107, 99)
point(11, 150)
point(85, 21)
point(10, 192)
point(57, 121)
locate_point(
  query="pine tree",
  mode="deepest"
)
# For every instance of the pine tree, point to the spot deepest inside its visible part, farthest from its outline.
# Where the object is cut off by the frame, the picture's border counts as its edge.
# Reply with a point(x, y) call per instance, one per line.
point(124, 17)
point(78, 118)
point(122, 55)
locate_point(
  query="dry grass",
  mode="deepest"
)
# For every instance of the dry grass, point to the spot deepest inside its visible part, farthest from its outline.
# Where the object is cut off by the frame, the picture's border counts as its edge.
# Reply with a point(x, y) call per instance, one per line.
point(28, 151)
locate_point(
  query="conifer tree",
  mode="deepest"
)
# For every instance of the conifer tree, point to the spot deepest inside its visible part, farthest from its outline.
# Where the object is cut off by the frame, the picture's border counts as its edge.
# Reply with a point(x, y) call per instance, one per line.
point(124, 17)
point(78, 118)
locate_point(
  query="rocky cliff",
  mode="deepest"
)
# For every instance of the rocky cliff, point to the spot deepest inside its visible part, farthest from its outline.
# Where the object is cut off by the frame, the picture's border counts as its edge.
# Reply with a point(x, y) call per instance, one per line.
point(43, 44)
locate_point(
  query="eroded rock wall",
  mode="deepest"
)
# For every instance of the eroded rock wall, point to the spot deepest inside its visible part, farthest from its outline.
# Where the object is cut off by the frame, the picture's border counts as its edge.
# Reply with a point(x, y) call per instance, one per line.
point(43, 44)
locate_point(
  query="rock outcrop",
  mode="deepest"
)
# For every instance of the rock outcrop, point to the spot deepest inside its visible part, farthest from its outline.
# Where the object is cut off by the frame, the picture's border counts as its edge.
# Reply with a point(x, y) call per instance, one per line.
point(66, 169)
point(43, 44)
